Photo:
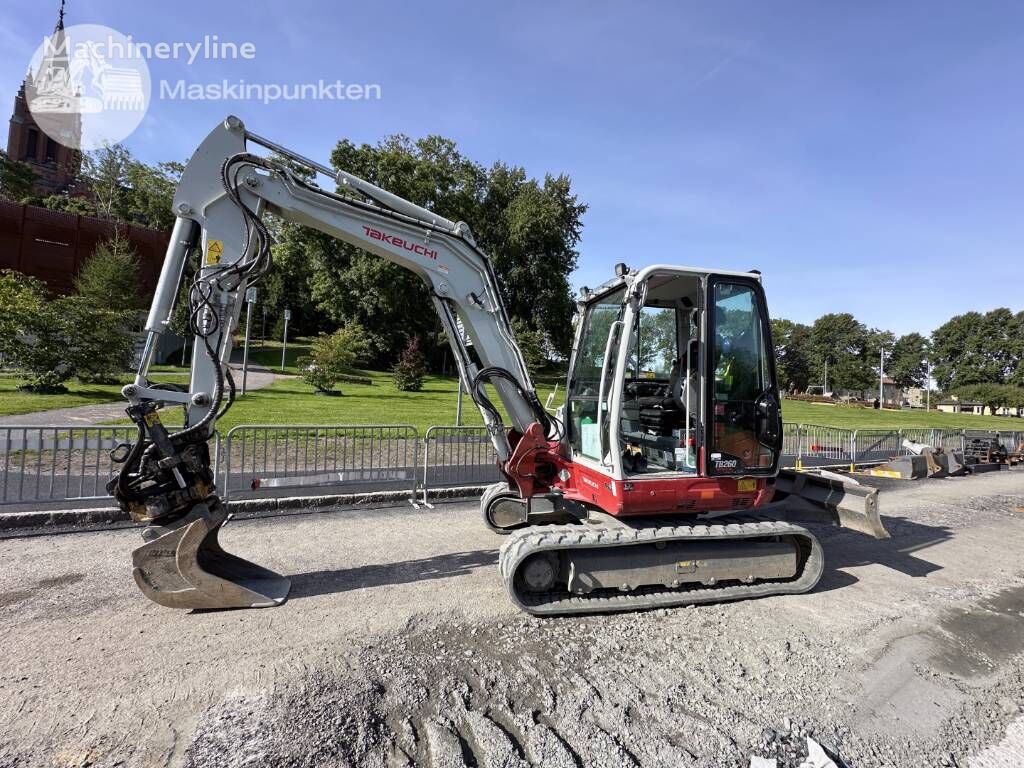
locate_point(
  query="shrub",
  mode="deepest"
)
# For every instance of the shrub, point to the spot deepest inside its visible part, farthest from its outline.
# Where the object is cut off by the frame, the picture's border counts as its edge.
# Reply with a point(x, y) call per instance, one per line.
point(109, 278)
point(411, 368)
point(50, 341)
point(334, 356)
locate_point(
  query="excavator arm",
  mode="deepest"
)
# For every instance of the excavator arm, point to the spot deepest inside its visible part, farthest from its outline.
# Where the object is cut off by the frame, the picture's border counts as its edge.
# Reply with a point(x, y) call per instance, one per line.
point(221, 199)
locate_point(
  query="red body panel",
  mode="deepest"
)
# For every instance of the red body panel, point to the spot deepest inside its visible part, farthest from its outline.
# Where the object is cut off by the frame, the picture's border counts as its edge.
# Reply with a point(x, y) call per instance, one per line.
point(653, 496)
point(639, 496)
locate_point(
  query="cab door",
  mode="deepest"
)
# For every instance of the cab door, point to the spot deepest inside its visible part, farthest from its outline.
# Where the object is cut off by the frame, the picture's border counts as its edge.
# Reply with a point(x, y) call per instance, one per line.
point(744, 416)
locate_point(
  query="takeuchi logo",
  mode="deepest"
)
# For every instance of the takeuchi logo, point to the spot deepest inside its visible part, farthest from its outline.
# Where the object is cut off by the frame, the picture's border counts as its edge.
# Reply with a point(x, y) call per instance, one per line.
point(87, 86)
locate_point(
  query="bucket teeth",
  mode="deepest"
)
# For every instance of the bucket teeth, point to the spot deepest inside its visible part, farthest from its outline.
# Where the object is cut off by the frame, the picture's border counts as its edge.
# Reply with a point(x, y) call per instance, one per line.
point(184, 566)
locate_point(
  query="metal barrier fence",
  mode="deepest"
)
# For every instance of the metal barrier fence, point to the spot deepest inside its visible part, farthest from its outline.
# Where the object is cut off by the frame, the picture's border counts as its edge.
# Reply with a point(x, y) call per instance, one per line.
point(60, 463)
point(819, 446)
point(1011, 441)
point(455, 457)
point(262, 458)
point(874, 445)
point(71, 462)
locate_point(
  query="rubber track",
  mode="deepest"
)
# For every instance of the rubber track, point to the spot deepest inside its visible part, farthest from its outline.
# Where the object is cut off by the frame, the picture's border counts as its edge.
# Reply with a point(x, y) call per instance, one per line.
point(528, 541)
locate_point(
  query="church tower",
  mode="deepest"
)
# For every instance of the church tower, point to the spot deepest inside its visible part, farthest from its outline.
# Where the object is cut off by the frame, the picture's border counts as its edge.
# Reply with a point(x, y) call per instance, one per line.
point(56, 166)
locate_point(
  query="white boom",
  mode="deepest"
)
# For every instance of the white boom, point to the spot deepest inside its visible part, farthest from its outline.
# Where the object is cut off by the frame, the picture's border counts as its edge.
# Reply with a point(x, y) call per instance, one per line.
point(222, 194)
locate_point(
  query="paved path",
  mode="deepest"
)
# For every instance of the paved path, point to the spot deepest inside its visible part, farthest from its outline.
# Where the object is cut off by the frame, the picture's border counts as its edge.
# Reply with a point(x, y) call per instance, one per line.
point(259, 377)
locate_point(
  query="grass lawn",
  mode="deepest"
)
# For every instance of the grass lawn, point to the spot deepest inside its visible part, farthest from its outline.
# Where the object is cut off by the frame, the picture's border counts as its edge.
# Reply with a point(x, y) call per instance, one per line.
point(849, 417)
point(14, 402)
point(270, 355)
point(292, 401)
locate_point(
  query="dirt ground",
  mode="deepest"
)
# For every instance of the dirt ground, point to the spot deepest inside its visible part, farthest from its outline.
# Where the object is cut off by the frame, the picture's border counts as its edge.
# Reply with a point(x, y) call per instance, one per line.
point(398, 647)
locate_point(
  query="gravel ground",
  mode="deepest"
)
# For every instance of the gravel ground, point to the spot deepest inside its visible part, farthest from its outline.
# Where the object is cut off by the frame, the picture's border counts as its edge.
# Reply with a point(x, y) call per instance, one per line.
point(399, 648)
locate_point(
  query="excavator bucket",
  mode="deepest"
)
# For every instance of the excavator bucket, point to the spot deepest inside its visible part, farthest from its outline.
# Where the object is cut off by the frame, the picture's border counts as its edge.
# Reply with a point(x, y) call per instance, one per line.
point(184, 566)
point(908, 468)
point(825, 497)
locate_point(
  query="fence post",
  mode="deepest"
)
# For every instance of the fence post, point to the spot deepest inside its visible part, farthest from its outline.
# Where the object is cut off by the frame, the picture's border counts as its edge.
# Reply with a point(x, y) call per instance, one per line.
point(799, 446)
point(415, 467)
point(225, 491)
point(853, 450)
point(426, 465)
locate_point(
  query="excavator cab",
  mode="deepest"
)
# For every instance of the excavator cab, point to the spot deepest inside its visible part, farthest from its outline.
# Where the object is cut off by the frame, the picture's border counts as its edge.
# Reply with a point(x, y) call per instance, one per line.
point(673, 377)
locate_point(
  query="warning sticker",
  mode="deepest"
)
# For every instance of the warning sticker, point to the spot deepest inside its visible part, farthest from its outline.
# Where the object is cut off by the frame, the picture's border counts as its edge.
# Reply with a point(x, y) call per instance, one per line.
point(214, 250)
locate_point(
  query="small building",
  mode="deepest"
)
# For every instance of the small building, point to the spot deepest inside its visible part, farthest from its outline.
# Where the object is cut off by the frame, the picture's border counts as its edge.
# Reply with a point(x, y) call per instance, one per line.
point(915, 397)
point(961, 406)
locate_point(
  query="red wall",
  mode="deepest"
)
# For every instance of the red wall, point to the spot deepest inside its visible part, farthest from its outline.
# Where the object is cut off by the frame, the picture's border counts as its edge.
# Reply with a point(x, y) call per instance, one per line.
point(52, 245)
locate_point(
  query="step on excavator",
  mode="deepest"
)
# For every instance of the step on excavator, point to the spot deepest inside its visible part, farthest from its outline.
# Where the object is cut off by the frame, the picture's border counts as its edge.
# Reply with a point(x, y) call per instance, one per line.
point(656, 484)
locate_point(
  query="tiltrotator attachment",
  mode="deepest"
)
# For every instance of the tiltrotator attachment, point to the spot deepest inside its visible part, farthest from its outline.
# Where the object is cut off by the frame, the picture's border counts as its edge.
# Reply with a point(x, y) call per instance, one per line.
point(182, 565)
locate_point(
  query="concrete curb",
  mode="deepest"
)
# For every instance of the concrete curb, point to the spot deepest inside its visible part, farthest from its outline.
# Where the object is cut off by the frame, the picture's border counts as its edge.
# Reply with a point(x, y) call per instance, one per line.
point(244, 508)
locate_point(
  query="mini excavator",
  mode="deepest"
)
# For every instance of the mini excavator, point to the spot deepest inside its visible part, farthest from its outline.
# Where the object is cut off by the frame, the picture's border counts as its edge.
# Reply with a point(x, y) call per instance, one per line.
point(656, 484)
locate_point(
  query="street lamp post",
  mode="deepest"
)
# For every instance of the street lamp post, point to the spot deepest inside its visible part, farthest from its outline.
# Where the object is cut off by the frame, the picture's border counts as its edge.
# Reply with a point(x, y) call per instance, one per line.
point(881, 378)
point(284, 345)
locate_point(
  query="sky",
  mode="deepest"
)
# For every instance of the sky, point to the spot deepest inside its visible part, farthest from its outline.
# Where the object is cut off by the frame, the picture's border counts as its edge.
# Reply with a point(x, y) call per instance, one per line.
point(866, 157)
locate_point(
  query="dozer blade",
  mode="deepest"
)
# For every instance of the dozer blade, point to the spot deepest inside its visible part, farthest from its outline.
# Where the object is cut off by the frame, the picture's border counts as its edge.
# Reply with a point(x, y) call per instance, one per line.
point(185, 567)
point(829, 498)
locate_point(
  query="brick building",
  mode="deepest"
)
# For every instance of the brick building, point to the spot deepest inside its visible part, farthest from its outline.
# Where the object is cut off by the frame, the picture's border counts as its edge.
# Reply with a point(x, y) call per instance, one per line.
point(56, 166)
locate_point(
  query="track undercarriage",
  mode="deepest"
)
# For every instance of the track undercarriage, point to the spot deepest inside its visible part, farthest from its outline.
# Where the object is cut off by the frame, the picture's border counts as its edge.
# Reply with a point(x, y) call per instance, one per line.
point(570, 559)
point(605, 564)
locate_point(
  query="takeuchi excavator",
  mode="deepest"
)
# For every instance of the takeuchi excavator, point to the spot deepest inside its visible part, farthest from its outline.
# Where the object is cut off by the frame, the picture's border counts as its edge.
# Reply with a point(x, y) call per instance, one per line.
point(657, 483)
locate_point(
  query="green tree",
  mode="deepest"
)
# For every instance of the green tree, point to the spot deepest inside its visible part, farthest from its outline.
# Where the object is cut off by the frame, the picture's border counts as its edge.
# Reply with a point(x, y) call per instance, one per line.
point(794, 354)
point(63, 202)
point(846, 346)
point(50, 341)
point(109, 279)
point(530, 230)
point(21, 297)
point(150, 195)
point(106, 170)
point(531, 343)
point(411, 368)
point(908, 361)
point(976, 348)
point(100, 346)
point(334, 355)
point(16, 178)
point(1017, 375)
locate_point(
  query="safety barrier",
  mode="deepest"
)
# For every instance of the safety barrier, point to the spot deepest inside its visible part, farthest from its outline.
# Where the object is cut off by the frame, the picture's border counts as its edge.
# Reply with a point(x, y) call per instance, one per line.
point(1011, 441)
point(819, 446)
point(457, 457)
point(54, 464)
point(303, 459)
point(876, 445)
point(68, 462)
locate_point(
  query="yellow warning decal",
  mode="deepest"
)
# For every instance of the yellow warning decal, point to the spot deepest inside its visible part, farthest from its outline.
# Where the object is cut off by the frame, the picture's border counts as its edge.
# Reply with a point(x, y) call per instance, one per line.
point(746, 484)
point(214, 250)
point(151, 419)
